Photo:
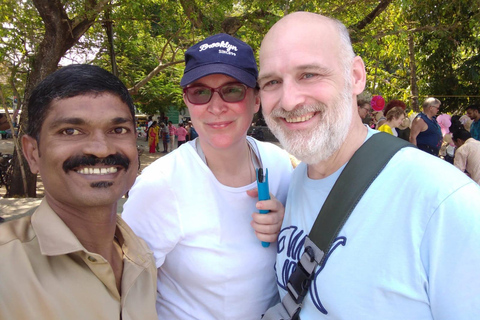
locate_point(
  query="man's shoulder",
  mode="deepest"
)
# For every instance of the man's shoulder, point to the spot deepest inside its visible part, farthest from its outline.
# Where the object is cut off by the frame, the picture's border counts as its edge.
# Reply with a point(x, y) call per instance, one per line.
point(425, 169)
point(419, 119)
point(16, 230)
point(471, 143)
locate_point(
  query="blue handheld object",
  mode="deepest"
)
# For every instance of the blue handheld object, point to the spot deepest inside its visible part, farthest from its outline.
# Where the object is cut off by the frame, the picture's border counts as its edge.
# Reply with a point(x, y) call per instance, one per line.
point(263, 193)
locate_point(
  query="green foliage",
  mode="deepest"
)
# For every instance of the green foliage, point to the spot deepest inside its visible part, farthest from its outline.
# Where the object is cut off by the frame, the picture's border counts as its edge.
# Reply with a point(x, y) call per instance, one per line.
point(150, 34)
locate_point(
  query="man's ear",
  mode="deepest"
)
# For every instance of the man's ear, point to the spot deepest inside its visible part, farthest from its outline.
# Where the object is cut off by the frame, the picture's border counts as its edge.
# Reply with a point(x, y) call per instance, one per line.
point(31, 153)
point(359, 77)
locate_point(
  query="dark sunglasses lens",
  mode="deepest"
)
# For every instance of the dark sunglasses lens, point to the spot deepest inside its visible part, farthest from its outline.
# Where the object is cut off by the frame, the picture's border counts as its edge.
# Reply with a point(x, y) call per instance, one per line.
point(233, 92)
point(199, 95)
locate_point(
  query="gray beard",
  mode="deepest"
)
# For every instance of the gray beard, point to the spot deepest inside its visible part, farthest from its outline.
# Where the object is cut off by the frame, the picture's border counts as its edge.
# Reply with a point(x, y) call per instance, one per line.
point(320, 143)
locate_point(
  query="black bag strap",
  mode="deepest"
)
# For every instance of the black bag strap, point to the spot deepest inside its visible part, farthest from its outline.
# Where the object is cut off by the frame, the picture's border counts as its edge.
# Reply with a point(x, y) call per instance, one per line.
point(357, 176)
point(359, 173)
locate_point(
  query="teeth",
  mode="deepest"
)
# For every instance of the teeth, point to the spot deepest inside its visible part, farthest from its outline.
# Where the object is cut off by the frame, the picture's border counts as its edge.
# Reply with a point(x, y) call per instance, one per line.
point(99, 171)
point(299, 119)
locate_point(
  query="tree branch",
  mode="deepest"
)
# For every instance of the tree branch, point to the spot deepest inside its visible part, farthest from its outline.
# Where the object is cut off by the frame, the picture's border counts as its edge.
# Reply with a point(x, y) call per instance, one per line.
point(371, 16)
point(135, 89)
point(196, 17)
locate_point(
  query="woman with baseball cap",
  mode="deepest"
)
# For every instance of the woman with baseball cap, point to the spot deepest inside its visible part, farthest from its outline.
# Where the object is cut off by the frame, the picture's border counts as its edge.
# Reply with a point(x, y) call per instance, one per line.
point(204, 227)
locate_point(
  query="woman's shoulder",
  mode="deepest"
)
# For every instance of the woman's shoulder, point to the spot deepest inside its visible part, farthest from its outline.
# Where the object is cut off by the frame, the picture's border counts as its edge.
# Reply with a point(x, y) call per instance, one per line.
point(272, 155)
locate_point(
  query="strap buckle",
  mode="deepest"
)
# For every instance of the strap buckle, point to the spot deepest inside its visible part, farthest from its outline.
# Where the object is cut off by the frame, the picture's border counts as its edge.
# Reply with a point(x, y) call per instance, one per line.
point(300, 280)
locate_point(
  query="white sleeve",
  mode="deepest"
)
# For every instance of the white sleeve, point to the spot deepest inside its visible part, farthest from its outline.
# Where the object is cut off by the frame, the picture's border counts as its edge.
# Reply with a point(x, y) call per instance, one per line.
point(450, 254)
point(152, 212)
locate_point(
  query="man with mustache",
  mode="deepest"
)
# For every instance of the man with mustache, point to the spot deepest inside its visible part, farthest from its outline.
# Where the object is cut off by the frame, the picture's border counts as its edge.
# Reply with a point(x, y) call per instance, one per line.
point(407, 251)
point(75, 258)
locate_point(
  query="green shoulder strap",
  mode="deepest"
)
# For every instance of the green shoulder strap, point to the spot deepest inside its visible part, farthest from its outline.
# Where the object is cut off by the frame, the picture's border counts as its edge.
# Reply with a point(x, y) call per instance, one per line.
point(365, 165)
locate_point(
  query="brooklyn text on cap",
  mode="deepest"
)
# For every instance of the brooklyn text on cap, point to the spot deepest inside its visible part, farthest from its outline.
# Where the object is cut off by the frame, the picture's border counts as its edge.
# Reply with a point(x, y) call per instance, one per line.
point(221, 54)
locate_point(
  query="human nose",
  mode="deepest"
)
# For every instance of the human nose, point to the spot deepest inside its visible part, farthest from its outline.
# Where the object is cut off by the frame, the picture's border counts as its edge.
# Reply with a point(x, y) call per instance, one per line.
point(291, 95)
point(98, 145)
point(216, 105)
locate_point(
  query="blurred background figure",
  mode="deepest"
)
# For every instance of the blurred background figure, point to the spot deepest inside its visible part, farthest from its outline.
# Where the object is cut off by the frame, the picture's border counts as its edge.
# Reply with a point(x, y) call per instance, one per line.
point(467, 155)
point(425, 132)
point(390, 105)
point(152, 134)
point(395, 117)
point(473, 112)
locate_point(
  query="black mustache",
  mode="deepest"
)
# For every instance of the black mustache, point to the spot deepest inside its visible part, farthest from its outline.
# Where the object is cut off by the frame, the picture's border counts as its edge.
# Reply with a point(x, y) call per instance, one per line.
point(116, 159)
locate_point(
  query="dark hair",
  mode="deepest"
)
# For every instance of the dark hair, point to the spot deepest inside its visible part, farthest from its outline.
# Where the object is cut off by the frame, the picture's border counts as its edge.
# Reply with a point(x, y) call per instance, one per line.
point(69, 82)
point(456, 124)
point(473, 107)
point(392, 104)
point(461, 134)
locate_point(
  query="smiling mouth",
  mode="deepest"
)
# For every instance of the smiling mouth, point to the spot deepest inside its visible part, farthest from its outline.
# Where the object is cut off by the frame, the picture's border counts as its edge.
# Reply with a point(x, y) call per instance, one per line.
point(96, 171)
point(299, 119)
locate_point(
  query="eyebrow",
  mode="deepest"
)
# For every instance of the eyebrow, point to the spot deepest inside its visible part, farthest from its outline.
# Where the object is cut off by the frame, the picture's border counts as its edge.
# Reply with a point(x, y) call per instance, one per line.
point(79, 121)
point(305, 67)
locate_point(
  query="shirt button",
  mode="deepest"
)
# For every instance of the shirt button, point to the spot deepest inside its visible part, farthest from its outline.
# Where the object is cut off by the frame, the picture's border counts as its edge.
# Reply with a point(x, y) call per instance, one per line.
point(92, 259)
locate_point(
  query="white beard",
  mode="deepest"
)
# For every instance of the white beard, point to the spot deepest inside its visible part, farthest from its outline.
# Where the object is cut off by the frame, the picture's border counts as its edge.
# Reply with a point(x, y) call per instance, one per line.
point(320, 143)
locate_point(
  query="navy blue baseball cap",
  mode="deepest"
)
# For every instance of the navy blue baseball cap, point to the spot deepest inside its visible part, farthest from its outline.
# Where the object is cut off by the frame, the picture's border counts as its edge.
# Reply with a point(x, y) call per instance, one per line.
point(222, 54)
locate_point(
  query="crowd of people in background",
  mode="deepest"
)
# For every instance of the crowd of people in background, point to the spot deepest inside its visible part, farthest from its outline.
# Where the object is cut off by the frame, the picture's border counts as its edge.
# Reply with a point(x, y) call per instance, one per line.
point(163, 132)
point(454, 138)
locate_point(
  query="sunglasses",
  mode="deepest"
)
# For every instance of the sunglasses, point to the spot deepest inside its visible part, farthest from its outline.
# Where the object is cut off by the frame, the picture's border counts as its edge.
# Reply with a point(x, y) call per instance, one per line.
point(201, 94)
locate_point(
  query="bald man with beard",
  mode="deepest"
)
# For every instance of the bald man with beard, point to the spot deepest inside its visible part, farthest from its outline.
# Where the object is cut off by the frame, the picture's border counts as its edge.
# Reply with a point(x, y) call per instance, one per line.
point(408, 250)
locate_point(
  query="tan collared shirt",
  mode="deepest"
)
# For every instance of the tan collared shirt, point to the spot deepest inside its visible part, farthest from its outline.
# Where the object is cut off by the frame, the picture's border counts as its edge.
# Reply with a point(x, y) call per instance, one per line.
point(46, 273)
point(467, 157)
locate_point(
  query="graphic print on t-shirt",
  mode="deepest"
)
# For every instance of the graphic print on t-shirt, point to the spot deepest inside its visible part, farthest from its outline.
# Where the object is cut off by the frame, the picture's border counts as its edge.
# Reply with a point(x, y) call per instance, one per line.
point(291, 240)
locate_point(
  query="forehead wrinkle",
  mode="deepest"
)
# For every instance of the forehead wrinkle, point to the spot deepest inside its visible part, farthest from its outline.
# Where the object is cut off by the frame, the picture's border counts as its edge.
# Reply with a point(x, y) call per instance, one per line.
point(121, 120)
point(66, 120)
point(314, 67)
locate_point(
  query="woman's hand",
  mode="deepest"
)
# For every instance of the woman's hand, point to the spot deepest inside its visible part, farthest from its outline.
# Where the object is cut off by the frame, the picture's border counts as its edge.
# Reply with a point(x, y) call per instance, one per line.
point(267, 226)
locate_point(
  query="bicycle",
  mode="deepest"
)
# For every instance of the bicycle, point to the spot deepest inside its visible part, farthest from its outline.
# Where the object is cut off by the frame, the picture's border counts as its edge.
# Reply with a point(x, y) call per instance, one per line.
point(5, 166)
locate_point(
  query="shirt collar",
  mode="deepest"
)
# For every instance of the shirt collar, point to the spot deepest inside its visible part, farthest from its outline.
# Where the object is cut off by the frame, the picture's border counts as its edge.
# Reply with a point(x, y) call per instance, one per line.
point(55, 238)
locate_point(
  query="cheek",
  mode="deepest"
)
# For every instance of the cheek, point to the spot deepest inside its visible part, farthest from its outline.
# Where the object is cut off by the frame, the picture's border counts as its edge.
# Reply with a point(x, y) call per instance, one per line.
point(195, 113)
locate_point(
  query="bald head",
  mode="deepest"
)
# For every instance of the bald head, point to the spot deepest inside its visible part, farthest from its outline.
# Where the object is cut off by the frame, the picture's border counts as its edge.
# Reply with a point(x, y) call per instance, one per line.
point(309, 78)
point(309, 31)
point(305, 21)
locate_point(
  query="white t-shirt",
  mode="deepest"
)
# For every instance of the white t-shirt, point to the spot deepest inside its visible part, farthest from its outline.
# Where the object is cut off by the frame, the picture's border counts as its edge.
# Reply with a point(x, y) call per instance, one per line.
point(210, 263)
point(410, 249)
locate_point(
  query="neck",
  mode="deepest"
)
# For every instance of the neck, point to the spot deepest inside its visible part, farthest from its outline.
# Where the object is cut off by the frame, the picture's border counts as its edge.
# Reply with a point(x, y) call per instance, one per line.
point(232, 167)
point(429, 116)
point(354, 140)
point(94, 227)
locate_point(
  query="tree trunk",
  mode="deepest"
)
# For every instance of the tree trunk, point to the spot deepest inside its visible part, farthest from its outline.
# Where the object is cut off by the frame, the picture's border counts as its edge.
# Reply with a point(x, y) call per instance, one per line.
point(413, 74)
point(61, 33)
